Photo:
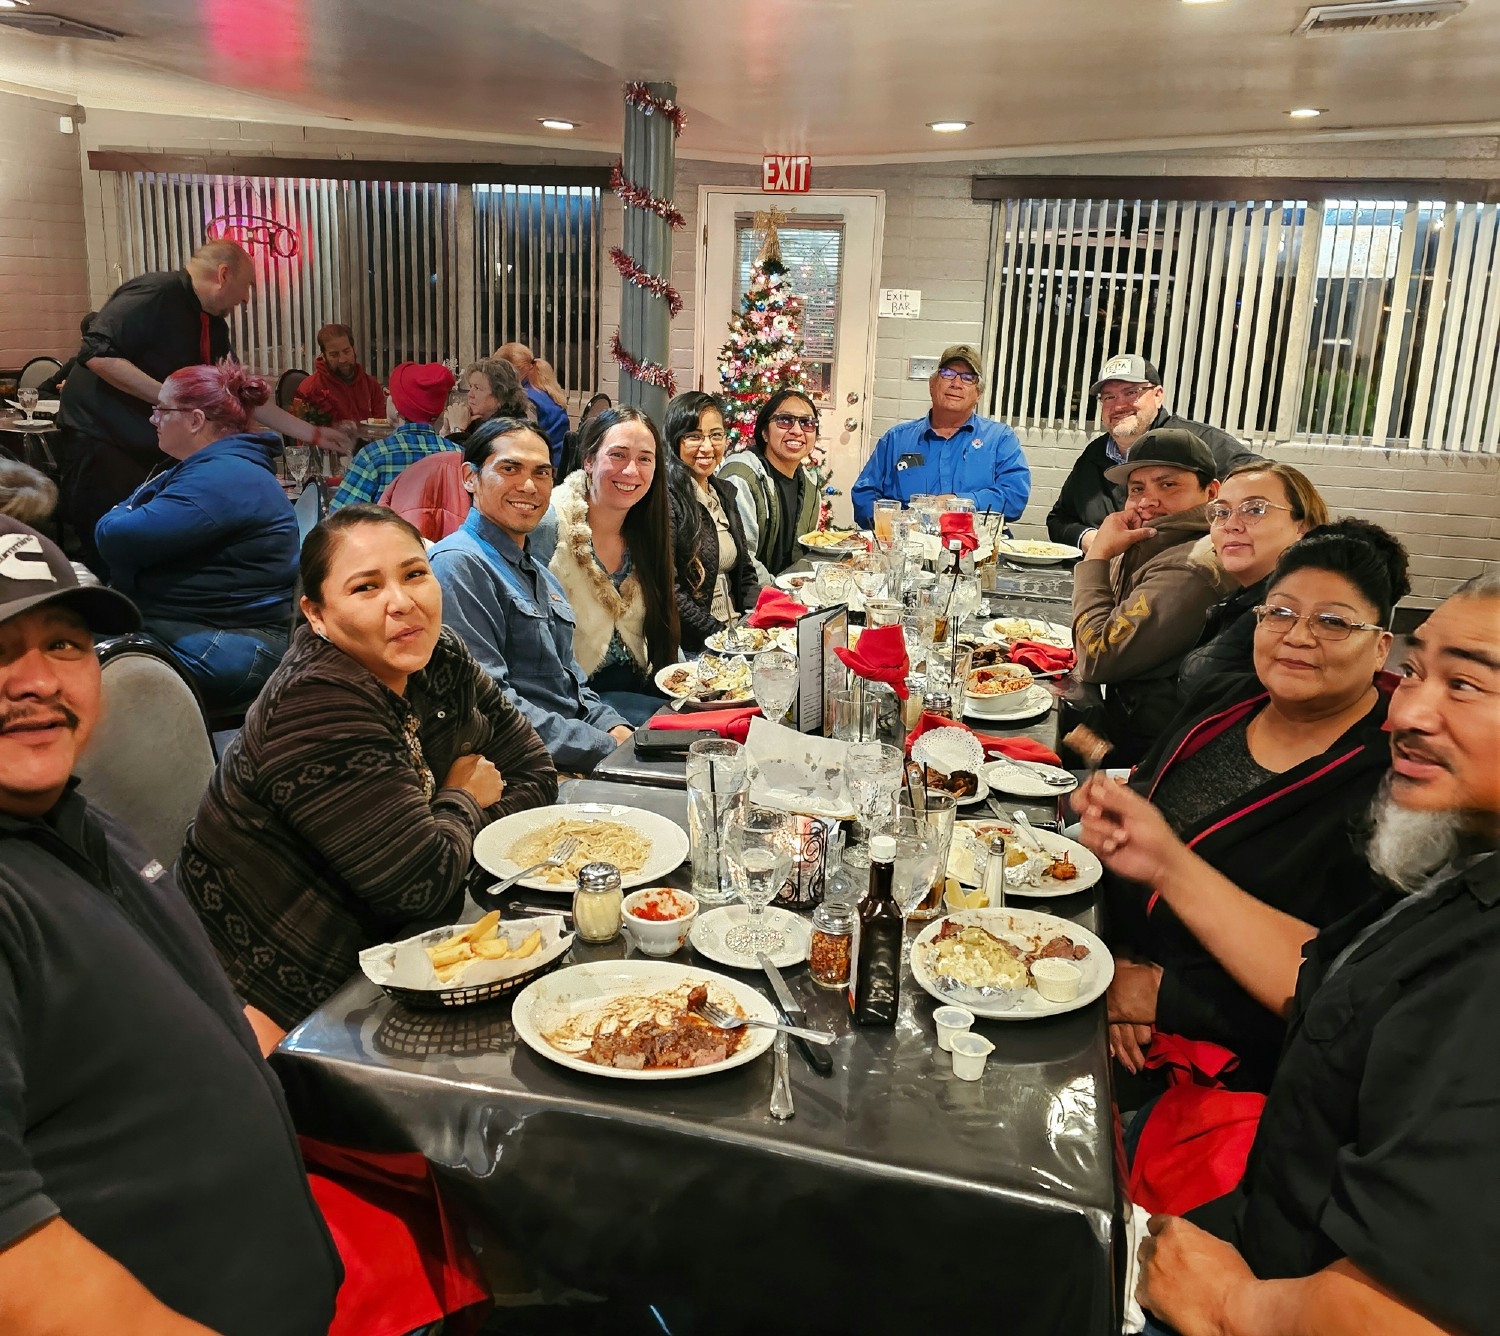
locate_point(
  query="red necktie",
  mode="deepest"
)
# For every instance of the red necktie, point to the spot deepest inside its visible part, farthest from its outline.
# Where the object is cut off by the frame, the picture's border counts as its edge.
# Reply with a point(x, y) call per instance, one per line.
point(204, 355)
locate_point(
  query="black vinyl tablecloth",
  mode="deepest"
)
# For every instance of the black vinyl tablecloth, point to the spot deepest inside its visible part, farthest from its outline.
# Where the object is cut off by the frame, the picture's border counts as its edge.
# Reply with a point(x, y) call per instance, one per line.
point(897, 1199)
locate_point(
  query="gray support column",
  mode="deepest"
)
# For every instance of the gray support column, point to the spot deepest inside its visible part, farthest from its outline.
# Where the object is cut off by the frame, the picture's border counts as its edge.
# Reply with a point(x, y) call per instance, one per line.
point(649, 160)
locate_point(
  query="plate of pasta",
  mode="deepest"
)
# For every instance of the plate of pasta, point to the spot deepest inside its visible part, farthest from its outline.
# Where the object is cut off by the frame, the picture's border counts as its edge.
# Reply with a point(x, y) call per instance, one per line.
point(644, 846)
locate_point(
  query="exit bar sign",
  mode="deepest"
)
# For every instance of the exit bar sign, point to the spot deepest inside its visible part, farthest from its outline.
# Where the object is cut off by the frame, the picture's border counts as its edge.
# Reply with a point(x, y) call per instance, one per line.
point(786, 174)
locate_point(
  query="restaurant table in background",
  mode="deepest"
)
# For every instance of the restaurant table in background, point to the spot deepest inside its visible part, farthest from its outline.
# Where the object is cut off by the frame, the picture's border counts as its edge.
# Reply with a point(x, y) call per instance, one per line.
point(898, 1197)
point(30, 442)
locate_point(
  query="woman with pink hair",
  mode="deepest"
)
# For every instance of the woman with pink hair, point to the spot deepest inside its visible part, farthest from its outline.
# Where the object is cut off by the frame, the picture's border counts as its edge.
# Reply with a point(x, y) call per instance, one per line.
point(208, 549)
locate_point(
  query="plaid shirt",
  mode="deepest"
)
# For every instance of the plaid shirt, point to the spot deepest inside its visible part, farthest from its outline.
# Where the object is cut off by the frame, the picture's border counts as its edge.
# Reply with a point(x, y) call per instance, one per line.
point(376, 466)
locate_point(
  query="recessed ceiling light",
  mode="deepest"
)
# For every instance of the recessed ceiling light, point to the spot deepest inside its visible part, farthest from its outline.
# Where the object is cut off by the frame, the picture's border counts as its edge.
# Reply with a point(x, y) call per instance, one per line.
point(11, 4)
point(553, 123)
point(1201, 2)
point(948, 127)
point(1306, 113)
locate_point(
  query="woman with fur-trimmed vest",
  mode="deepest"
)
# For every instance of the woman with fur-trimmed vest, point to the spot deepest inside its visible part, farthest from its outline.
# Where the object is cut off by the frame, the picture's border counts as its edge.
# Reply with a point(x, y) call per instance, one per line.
point(613, 557)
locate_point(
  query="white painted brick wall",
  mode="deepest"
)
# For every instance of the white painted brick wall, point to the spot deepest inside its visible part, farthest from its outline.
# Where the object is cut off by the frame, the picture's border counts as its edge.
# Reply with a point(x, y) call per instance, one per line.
point(43, 257)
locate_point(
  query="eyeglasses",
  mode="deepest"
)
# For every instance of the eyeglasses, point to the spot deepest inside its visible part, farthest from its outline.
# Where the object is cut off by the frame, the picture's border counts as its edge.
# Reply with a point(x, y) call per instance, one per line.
point(791, 422)
point(717, 437)
point(1323, 625)
point(1252, 512)
point(161, 410)
point(953, 373)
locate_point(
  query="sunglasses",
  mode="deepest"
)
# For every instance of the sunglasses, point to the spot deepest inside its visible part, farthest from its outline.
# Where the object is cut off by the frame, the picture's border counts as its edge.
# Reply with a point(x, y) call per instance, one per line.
point(953, 373)
point(791, 422)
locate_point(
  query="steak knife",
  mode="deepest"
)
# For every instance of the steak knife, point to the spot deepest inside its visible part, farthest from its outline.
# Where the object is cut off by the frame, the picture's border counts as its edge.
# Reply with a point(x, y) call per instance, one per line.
point(794, 1014)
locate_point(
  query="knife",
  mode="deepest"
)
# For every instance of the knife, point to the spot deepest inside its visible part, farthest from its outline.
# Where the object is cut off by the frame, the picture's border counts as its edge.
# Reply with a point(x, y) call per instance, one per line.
point(793, 1013)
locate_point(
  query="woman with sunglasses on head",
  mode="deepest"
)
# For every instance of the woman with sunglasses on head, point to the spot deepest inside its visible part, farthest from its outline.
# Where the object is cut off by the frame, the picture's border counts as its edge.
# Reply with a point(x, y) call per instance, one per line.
point(1261, 510)
point(611, 525)
point(1248, 804)
point(776, 494)
point(715, 569)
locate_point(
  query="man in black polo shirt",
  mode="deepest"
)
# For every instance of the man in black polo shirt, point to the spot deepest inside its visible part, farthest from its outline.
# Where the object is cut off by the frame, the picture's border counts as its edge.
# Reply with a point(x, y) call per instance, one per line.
point(150, 1180)
point(1371, 1200)
point(152, 326)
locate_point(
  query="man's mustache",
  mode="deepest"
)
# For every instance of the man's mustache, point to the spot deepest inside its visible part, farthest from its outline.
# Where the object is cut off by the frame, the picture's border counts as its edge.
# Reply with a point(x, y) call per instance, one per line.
point(24, 718)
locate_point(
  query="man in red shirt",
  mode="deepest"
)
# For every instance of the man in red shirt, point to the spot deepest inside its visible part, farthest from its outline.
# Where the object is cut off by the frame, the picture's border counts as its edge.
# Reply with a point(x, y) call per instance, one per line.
point(339, 389)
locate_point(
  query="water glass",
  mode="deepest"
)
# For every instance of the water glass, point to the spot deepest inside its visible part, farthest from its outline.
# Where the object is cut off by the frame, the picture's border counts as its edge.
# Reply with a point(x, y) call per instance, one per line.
point(28, 399)
point(873, 772)
point(717, 784)
point(882, 612)
point(939, 811)
point(758, 846)
point(948, 669)
point(773, 678)
point(918, 862)
point(853, 715)
point(834, 583)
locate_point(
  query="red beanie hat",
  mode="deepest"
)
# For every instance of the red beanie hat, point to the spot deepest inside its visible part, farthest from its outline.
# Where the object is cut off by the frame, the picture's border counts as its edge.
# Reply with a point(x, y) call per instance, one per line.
point(420, 389)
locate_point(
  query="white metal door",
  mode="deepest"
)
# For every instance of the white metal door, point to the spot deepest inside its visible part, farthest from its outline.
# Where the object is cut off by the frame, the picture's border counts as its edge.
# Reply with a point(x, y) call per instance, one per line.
point(831, 247)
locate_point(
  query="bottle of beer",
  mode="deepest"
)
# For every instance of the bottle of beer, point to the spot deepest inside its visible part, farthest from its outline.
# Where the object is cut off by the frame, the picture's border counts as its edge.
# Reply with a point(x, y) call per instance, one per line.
point(875, 973)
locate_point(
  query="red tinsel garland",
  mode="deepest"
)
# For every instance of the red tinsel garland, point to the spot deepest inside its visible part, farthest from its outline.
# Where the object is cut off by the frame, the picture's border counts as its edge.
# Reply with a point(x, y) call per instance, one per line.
point(650, 373)
point(639, 198)
point(653, 283)
point(638, 95)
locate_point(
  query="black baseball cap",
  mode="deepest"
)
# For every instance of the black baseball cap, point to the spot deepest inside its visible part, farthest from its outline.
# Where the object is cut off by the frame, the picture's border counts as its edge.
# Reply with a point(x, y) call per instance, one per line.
point(1167, 447)
point(34, 571)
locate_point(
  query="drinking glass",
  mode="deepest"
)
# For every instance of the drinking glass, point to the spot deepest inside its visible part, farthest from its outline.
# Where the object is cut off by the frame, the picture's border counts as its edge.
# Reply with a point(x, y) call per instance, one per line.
point(882, 612)
point(917, 629)
point(853, 715)
point(926, 509)
point(918, 862)
point(867, 570)
point(883, 524)
point(28, 400)
point(834, 583)
point(773, 678)
point(717, 784)
point(939, 811)
point(298, 463)
point(758, 846)
point(948, 670)
point(873, 772)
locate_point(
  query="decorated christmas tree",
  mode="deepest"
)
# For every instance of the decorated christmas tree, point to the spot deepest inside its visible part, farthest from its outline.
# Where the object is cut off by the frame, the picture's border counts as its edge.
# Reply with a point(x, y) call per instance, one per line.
point(764, 350)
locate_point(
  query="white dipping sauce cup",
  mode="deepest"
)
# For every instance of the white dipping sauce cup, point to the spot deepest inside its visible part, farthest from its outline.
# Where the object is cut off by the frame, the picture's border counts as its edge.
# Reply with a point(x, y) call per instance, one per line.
point(951, 1021)
point(969, 1053)
point(1056, 980)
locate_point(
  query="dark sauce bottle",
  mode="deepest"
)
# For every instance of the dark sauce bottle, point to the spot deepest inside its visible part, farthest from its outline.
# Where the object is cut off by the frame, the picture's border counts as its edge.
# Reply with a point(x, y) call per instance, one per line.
point(875, 976)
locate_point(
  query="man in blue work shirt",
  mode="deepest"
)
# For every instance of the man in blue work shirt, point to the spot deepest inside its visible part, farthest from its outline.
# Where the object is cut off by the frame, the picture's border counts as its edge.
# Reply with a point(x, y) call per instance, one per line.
point(509, 609)
point(950, 452)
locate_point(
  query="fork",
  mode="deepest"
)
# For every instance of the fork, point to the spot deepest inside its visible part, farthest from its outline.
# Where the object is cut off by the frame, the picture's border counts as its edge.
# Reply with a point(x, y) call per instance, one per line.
point(722, 1020)
point(564, 851)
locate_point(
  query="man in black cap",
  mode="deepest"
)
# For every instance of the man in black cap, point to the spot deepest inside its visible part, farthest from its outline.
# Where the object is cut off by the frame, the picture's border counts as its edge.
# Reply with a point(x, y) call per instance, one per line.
point(1130, 398)
point(150, 1180)
point(1140, 596)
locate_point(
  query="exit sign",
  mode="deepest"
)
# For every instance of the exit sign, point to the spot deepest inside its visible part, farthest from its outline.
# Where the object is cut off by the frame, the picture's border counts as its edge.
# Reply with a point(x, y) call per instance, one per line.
point(786, 174)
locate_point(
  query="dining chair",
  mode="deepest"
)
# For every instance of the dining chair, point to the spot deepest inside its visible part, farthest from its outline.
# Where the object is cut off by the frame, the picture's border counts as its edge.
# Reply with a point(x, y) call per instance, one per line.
point(151, 755)
point(310, 507)
point(286, 386)
point(36, 371)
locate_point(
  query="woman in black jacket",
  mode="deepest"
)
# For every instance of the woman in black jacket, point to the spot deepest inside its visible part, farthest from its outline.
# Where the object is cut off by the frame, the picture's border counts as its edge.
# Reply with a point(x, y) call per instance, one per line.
point(715, 568)
point(1261, 510)
point(1264, 778)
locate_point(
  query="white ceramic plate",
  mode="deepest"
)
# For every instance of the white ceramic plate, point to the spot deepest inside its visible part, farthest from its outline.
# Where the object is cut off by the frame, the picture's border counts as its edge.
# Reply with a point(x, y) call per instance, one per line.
point(668, 840)
point(555, 998)
point(710, 927)
point(1049, 633)
point(1025, 781)
point(850, 542)
point(961, 863)
point(781, 638)
point(984, 793)
point(796, 583)
point(664, 676)
point(1035, 700)
point(1041, 554)
point(1015, 925)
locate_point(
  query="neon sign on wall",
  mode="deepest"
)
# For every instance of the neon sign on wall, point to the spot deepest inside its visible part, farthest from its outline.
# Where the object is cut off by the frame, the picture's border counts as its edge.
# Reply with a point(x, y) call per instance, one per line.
point(252, 230)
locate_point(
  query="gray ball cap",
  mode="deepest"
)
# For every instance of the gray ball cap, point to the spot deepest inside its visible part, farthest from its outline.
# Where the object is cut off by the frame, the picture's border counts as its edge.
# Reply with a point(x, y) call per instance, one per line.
point(1166, 447)
point(34, 571)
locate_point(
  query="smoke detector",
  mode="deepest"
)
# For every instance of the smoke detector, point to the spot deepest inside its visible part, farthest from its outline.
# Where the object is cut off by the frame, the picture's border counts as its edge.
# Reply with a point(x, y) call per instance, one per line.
point(55, 25)
point(1378, 16)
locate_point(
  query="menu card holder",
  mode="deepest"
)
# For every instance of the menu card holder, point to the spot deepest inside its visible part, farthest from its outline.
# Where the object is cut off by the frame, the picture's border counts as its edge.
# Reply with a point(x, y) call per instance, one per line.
point(818, 633)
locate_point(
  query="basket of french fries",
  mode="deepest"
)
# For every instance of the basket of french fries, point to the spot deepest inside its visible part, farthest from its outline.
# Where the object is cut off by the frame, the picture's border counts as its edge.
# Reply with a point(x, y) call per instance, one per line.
point(467, 963)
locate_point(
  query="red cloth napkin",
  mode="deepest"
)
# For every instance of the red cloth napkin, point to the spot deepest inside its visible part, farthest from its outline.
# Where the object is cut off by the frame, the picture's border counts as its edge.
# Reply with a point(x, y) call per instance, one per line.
point(880, 656)
point(1018, 749)
point(774, 608)
point(958, 524)
point(1041, 657)
point(732, 724)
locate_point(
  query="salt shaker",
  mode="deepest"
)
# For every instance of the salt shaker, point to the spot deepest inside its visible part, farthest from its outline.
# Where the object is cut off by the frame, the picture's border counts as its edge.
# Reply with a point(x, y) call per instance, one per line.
point(596, 903)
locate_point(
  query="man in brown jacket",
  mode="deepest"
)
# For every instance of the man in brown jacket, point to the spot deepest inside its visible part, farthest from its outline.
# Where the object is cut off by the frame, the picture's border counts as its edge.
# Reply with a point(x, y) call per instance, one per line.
point(1141, 594)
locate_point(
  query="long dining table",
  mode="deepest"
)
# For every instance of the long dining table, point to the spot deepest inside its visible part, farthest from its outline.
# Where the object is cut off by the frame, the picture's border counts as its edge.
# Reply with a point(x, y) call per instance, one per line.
point(897, 1196)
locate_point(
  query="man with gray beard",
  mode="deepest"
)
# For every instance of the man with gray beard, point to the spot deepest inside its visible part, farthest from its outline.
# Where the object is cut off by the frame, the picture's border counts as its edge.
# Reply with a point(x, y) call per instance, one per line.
point(1371, 1200)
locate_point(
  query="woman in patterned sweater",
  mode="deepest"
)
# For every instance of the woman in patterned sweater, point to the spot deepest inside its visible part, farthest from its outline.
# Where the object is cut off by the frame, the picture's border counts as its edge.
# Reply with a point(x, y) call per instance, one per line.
point(344, 813)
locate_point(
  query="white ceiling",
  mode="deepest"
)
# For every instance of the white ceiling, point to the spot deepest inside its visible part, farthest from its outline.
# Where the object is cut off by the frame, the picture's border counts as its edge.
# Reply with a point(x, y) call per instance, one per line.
point(847, 80)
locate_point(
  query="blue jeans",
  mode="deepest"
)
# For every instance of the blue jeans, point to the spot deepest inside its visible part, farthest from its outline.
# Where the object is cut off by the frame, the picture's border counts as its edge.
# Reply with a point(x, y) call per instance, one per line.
point(229, 665)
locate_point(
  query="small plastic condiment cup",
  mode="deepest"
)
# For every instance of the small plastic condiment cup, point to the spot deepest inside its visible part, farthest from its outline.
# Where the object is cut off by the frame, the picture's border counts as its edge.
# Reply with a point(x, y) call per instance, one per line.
point(1056, 980)
point(969, 1053)
point(951, 1021)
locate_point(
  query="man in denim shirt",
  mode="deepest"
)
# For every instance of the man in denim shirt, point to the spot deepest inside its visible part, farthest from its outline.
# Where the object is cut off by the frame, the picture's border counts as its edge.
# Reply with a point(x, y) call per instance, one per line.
point(509, 608)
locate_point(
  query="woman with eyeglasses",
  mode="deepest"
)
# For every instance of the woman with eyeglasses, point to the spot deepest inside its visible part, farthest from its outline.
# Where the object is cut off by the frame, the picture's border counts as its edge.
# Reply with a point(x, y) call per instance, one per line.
point(715, 570)
point(1246, 810)
point(1261, 510)
point(776, 494)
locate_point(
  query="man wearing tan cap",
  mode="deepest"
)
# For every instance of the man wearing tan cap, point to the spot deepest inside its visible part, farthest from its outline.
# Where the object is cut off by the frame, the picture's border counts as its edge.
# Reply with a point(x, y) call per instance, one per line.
point(950, 452)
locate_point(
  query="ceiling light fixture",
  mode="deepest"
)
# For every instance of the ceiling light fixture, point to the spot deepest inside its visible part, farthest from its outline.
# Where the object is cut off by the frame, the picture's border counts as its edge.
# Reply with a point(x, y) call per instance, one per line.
point(948, 127)
point(553, 123)
point(1201, 2)
point(12, 4)
point(1306, 113)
